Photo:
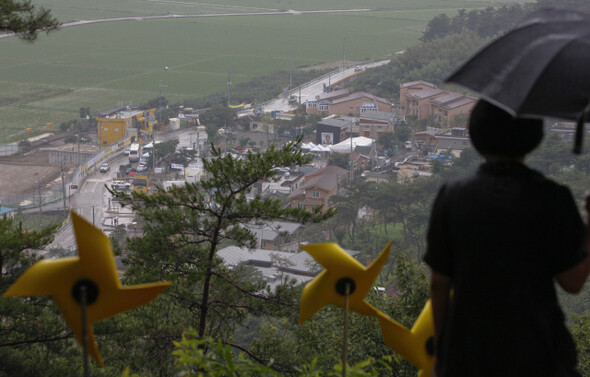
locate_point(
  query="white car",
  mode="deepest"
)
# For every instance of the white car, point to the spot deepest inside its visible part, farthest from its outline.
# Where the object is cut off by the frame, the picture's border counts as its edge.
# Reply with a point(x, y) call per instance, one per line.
point(408, 145)
point(142, 167)
point(105, 167)
point(121, 185)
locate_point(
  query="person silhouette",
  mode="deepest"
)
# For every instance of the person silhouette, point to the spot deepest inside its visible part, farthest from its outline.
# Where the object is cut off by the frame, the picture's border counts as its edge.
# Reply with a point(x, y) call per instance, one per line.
point(497, 240)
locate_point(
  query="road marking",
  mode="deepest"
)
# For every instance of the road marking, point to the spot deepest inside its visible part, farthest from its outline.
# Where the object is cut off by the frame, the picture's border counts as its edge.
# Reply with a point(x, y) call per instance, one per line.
point(97, 180)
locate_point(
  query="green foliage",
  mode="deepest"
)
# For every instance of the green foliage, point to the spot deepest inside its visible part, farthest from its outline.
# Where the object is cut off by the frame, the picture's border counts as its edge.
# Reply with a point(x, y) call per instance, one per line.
point(25, 19)
point(341, 160)
point(486, 23)
point(196, 357)
point(72, 139)
point(165, 149)
point(217, 117)
point(33, 338)
point(319, 341)
point(183, 229)
point(224, 45)
point(581, 334)
point(403, 132)
point(491, 21)
point(431, 61)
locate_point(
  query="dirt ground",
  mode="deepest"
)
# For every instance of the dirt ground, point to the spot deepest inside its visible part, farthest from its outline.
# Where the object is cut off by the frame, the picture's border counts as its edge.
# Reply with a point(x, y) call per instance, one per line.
point(25, 173)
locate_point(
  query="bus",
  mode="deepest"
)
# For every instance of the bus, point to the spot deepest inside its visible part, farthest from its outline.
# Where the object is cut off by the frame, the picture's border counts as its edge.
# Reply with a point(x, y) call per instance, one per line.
point(134, 152)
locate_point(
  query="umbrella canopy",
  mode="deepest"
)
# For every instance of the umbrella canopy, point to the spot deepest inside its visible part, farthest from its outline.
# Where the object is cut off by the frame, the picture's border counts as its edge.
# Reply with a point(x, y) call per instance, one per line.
point(539, 68)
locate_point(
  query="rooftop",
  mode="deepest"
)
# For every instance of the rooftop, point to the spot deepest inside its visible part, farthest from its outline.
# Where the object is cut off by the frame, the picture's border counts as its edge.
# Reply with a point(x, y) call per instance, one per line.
point(414, 83)
point(425, 93)
point(359, 95)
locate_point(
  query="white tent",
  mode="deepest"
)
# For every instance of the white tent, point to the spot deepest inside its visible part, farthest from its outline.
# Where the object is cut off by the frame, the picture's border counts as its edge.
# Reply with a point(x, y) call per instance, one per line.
point(325, 148)
point(316, 149)
point(344, 146)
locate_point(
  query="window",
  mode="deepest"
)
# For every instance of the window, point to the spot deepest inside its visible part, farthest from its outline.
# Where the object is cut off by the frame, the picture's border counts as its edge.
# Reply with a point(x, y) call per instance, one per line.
point(106, 129)
point(323, 107)
point(116, 129)
point(315, 194)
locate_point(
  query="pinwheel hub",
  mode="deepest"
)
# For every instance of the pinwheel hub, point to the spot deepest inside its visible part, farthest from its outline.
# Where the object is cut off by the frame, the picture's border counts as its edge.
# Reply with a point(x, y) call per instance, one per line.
point(343, 283)
point(91, 291)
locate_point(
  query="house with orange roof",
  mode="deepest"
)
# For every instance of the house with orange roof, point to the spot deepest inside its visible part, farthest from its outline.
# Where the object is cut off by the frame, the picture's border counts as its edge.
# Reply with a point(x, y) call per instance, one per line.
point(449, 108)
point(318, 187)
point(422, 100)
point(352, 104)
point(411, 87)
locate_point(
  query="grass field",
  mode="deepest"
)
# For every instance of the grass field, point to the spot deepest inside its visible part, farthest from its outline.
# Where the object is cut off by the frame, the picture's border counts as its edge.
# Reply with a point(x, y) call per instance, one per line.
point(105, 65)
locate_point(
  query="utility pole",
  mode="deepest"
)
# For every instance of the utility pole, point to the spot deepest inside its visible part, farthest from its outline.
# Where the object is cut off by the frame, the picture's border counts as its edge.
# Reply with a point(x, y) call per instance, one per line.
point(343, 53)
point(63, 184)
point(228, 88)
point(160, 105)
point(351, 161)
point(40, 201)
point(290, 74)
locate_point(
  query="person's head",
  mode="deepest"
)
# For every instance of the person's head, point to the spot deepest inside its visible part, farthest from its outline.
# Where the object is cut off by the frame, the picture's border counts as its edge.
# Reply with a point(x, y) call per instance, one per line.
point(495, 133)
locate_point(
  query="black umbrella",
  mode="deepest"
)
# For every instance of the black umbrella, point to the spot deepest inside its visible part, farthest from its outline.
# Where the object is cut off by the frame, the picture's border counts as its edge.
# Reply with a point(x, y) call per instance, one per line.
point(539, 68)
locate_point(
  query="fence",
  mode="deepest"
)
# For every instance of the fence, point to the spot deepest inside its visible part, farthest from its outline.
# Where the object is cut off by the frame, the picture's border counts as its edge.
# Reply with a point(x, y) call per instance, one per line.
point(44, 196)
point(8, 149)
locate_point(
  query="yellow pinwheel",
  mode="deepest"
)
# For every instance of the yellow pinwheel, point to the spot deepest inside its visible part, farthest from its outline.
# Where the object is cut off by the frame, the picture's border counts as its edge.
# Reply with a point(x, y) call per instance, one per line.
point(341, 270)
point(94, 270)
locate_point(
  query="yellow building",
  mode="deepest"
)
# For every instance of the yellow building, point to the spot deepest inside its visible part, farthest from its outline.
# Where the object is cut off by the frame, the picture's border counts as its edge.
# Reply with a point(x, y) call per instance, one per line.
point(113, 125)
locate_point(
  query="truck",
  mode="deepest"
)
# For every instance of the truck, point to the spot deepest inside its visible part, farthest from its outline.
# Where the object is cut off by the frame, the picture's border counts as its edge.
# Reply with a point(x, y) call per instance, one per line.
point(140, 184)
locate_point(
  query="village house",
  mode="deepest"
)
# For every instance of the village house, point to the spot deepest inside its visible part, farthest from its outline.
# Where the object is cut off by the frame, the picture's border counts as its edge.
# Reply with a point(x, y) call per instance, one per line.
point(333, 130)
point(115, 124)
point(437, 140)
point(452, 109)
point(375, 123)
point(362, 157)
point(321, 103)
point(274, 235)
point(318, 187)
point(423, 100)
point(352, 104)
point(411, 87)
point(275, 265)
point(453, 140)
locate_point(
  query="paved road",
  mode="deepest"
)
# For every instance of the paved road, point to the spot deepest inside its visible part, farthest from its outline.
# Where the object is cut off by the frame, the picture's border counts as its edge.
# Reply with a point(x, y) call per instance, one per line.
point(316, 87)
point(92, 200)
point(274, 12)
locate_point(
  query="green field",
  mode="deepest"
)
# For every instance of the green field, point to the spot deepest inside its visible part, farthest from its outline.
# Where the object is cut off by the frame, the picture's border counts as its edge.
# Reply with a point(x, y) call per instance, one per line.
point(109, 64)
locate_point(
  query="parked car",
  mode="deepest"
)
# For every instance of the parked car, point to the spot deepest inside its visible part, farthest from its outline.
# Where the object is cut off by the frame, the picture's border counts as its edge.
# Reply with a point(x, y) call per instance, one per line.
point(105, 167)
point(142, 167)
point(121, 185)
point(408, 145)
